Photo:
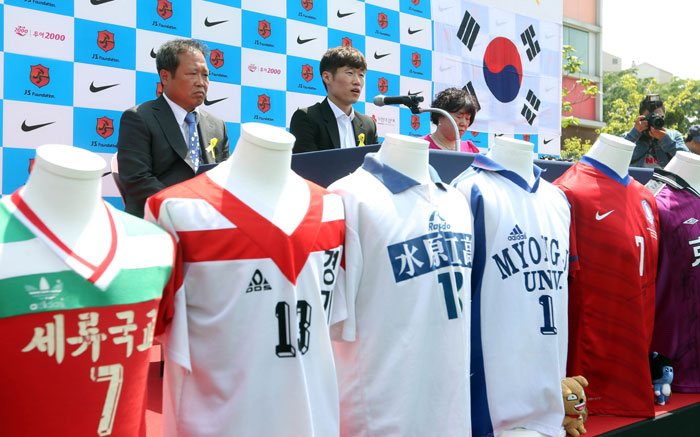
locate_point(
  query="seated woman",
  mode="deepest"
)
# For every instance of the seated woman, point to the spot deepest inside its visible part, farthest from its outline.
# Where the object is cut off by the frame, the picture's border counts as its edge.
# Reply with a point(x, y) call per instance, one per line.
point(460, 106)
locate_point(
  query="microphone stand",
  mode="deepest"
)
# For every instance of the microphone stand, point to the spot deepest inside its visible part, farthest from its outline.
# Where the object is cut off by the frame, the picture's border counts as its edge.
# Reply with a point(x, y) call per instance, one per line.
point(416, 110)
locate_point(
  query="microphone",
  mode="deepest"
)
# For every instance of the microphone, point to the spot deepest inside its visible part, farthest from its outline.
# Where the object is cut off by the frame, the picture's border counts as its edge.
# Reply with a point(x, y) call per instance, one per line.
point(409, 101)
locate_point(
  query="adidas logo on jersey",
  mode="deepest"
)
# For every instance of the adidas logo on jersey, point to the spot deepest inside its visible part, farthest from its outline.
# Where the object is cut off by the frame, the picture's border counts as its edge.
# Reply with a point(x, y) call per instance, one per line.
point(691, 221)
point(46, 295)
point(258, 283)
point(517, 234)
point(437, 223)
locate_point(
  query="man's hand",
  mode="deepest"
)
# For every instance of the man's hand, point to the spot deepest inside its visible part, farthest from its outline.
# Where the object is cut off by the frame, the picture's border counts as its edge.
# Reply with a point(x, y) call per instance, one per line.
point(641, 124)
point(657, 133)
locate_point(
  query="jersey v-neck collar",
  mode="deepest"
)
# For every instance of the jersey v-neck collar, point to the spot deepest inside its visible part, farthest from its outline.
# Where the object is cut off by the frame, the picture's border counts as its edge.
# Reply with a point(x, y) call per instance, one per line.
point(101, 274)
point(393, 180)
point(607, 171)
point(288, 252)
point(483, 162)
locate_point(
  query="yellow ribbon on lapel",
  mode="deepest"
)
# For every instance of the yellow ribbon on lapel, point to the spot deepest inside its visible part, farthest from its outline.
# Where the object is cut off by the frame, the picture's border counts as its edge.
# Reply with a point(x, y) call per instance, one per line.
point(212, 144)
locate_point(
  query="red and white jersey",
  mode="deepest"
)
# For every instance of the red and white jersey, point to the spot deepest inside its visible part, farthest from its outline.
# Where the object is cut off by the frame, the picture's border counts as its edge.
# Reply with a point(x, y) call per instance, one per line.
point(611, 300)
point(402, 306)
point(76, 335)
point(248, 347)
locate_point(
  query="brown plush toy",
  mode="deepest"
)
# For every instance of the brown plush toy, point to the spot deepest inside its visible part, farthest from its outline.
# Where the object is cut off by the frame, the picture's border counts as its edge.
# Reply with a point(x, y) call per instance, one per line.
point(574, 405)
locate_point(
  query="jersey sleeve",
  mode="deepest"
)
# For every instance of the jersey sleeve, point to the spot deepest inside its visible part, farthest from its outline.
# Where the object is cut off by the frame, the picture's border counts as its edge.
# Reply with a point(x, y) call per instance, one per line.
point(343, 322)
point(171, 326)
point(574, 265)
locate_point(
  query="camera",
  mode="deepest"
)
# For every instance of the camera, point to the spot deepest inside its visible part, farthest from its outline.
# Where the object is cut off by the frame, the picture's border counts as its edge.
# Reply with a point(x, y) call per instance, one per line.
point(655, 120)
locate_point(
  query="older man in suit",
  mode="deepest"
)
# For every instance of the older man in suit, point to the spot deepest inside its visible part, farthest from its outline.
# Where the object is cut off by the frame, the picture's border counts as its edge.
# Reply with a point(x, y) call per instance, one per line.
point(163, 142)
point(333, 123)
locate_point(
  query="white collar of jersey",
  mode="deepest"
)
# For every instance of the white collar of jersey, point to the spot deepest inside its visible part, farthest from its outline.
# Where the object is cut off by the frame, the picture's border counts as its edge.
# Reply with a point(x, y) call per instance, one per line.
point(673, 180)
point(483, 162)
point(393, 180)
point(607, 171)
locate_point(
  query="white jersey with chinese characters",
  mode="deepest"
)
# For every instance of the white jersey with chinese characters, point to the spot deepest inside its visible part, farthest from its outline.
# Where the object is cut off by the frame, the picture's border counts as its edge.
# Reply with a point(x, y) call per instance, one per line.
point(76, 335)
point(401, 314)
point(248, 348)
point(519, 299)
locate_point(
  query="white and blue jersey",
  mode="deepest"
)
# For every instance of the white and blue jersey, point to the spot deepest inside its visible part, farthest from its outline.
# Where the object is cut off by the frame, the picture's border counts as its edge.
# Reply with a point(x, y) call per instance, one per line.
point(401, 312)
point(519, 326)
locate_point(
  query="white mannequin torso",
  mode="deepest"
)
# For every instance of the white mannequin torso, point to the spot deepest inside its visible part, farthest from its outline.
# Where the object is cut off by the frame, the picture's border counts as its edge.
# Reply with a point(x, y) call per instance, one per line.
point(514, 155)
point(612, 151)
point(64, 190)
point(259, 173)
point(407, 155)
point(687, 166)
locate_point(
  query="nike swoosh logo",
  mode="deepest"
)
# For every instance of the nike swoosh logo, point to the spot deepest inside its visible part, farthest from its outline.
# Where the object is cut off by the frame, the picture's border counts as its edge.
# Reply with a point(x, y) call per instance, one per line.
point(376, 56)
point(500, 23)
point(601, 217)
point(99, 2)
point(212, 23)
point(443, 68)
point(211, 102)
point(30, 127)
point(341, 15)
point(153, 54)
point(97, 89)
point(414, 94)
point(411, 31)
point(444, 8)
point(303, 41)
point(548, 141)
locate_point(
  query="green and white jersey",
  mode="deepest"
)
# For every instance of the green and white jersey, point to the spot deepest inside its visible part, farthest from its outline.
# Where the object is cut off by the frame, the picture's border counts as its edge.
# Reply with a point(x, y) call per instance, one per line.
point(76, 335)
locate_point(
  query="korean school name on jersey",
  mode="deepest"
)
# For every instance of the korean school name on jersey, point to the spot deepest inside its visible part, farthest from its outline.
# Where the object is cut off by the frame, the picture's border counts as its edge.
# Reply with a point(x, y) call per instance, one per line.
point(430, 252)
point(528, 255)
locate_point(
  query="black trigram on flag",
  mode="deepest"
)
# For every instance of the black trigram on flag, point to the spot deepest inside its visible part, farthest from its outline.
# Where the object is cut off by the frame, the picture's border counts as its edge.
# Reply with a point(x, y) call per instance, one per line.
point(469, 88)
point(530, 112)
point(533, 46)
point(468, 30)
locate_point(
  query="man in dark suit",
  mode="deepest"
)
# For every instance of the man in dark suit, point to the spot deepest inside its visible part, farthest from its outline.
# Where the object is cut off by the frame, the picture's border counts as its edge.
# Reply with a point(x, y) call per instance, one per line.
point(333, 123)
point(158, 143)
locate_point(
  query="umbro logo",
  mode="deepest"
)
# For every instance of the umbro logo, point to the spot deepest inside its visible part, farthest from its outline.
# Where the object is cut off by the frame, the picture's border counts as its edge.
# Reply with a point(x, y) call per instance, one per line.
point(258, 283)
point(30, 127)
point(97, 89)
point(304, 41)
point(516, 234)
point(377, 56)
point(212, 23)
point(211, 102)
point(690, 221)
point(342, 15)
point(599, 216)
point(411, 31)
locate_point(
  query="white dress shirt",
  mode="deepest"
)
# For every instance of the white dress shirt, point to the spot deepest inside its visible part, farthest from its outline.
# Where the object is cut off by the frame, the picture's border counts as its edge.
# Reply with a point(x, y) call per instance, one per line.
point(347, 135)
point(180, 114)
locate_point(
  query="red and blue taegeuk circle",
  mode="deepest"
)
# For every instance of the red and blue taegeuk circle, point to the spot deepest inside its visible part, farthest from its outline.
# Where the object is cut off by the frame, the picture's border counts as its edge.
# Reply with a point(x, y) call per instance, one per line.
point(503, 70)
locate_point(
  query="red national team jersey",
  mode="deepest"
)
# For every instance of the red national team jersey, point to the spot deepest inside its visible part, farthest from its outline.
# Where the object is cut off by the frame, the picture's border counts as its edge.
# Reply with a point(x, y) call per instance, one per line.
point(611, 301)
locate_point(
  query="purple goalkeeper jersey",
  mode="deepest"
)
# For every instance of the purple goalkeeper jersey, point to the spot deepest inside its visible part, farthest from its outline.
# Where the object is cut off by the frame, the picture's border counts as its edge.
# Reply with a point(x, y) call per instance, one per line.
point(677, 327)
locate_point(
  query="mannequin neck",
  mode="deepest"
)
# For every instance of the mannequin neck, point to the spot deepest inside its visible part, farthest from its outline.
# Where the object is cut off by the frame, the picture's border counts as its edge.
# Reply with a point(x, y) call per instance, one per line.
point(515, 156)
point(615, 156)
point(259, 174)
point(406, 155)
point(687, 166)
point(64, 190)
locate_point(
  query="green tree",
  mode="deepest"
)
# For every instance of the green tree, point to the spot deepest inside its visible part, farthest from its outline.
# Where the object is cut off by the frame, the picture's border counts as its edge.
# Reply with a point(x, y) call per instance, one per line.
point(573, 148)
point(624, 90)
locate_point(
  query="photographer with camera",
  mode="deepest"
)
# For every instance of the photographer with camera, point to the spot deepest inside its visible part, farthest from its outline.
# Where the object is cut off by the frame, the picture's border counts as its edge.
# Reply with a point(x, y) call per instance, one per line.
point(654, 145)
